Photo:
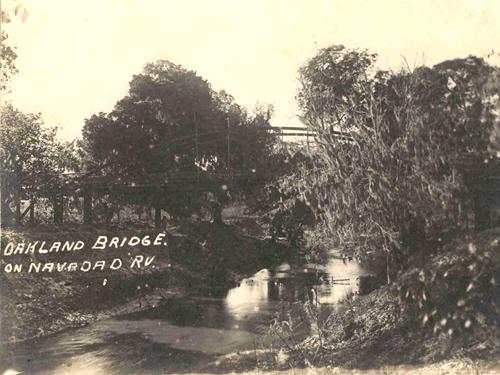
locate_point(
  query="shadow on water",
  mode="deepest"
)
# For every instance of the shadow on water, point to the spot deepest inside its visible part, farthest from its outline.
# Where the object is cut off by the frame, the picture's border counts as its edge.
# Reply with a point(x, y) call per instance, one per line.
point(186, 334)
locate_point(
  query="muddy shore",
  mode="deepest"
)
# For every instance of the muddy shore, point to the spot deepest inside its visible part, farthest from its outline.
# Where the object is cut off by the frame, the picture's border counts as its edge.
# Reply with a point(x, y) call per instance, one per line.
point(199, 260)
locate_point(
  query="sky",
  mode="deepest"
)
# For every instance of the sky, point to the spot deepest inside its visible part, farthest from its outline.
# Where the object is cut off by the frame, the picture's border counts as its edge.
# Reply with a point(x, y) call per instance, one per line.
point(75, 58)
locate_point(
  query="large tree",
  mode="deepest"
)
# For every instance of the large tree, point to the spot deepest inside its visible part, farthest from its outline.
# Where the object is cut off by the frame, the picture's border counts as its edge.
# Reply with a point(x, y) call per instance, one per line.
point(172, 123)
point(418, 141)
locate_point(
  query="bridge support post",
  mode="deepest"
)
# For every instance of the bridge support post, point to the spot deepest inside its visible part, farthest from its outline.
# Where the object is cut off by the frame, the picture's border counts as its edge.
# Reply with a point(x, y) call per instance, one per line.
point(18, 212)
point(32, 212)
point(57, 199)
point(87, 205)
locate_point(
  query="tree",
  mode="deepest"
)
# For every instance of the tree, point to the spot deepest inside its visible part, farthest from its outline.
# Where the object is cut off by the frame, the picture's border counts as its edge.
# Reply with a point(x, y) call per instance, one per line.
point(7, 56)
point(31, 159)
point(333, 85)
point(402, 177)
point(173, 124)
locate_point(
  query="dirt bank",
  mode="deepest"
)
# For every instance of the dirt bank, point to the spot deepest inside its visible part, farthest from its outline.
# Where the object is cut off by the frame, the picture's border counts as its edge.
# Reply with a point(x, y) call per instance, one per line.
point(200, 259)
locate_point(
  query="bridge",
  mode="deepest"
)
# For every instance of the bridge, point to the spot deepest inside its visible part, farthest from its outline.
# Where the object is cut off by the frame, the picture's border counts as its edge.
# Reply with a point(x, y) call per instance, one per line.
point(89, 185)
point(156, 186)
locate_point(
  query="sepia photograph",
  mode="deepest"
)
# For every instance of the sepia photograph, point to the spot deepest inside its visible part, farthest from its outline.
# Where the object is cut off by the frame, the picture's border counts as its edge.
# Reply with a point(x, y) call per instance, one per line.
point(281, 187)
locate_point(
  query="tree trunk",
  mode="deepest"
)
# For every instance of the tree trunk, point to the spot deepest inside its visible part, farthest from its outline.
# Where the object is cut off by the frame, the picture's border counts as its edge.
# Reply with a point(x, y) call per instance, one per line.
point(7, 214)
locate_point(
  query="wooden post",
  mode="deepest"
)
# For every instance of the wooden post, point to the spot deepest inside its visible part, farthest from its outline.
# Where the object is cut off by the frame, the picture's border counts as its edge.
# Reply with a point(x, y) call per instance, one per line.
point(57, 199)
point(87, 205)
point(32, 211)
point(18, 208)
point(217, 213)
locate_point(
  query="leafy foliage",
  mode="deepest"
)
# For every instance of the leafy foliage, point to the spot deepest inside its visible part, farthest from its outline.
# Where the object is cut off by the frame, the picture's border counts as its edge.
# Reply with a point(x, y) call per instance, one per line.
point(458, 291)
point(172, 125)
point(333, 86)
point(32, 160)
point(7, 56)
point(407, 174)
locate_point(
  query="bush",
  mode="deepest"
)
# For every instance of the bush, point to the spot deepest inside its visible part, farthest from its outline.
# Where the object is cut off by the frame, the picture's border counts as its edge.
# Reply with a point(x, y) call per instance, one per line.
point(457, 291)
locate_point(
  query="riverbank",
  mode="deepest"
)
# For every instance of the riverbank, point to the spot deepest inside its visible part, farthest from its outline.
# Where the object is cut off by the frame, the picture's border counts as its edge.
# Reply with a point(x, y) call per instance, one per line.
point(378, 333)
point(200, 259)
point(367, 334)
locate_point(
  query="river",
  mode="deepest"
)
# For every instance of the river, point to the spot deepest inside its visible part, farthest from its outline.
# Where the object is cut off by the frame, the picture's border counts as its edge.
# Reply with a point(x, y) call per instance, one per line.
point(186, 333)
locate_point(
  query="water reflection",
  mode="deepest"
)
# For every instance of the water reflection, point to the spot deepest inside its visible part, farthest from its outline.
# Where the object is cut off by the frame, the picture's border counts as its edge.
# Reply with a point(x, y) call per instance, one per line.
point(250, 297)
point(187, 333)
point(322, 284)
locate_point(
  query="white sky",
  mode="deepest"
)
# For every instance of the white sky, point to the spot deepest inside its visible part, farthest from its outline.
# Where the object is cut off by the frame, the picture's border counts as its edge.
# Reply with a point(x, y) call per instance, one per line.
point(75, 58)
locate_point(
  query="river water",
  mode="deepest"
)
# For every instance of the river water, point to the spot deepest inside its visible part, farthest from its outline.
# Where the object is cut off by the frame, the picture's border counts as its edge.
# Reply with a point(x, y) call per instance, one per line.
point(186, 333)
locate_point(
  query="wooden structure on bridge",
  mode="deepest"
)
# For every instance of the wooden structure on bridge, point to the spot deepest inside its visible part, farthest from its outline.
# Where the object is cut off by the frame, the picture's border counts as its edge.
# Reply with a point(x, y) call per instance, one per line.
point(88, 186)
point(153, 186)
